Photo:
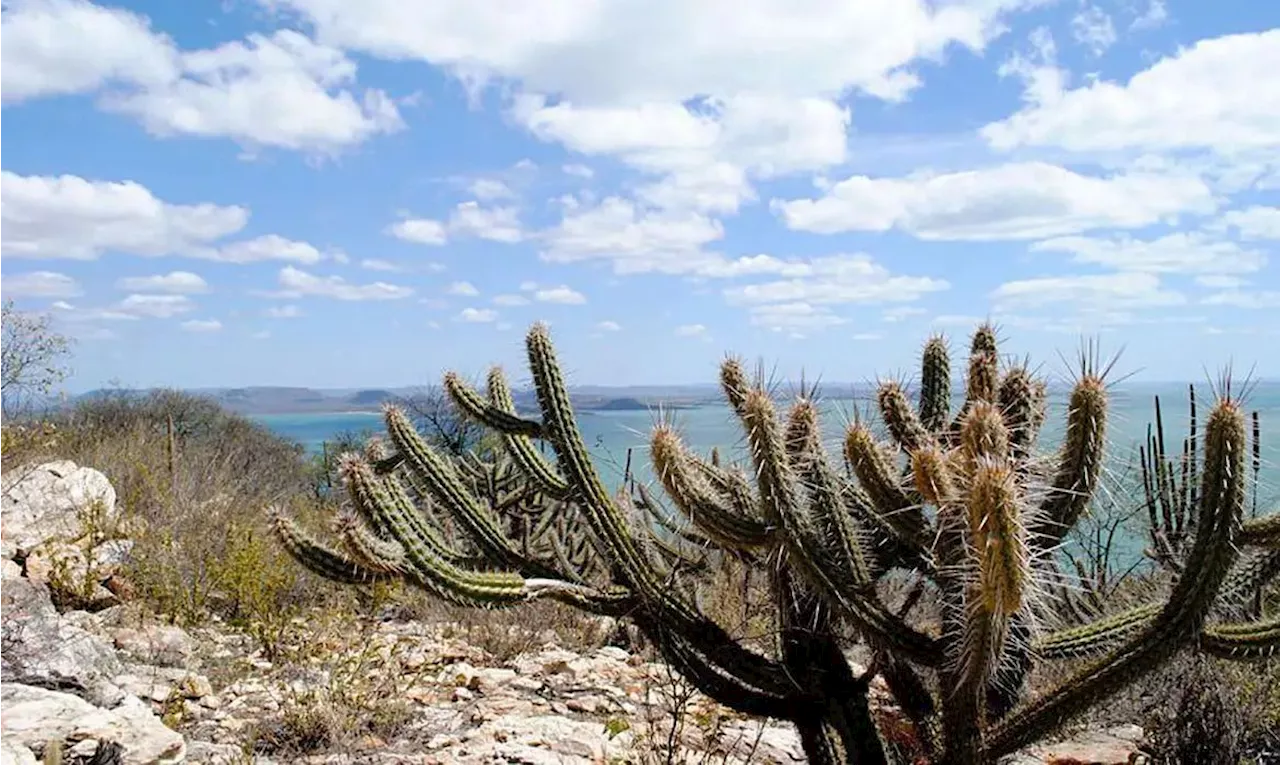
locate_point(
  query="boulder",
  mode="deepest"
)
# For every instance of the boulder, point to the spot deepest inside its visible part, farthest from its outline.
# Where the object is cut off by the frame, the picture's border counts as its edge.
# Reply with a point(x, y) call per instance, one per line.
point(54, 500)
point(34, 716)
point(41, 648)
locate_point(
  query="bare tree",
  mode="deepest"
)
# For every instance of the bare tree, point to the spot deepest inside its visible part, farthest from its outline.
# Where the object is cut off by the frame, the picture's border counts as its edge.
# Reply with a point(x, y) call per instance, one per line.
point(435, 416)
point(34, 358)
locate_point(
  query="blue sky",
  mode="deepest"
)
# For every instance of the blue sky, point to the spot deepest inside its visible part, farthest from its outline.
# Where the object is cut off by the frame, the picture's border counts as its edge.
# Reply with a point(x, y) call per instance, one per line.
point(334, 194)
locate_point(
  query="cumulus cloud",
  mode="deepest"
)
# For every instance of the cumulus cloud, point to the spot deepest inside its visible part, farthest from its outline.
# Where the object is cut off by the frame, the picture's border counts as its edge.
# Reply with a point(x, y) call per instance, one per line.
point(70, 217)
point(1256, 222)
point(1177, 253)
point(608, 326)
point(1098, 291)
point(283, 312)
point(1230, 80)
point(1012, 201)
point(283, 89)
point(174, 281)
point(42, 284)
point(419, 231)
point(478, 315)
point(561, 294)
point(155, 306)
point(295, 282)
point(463, 289)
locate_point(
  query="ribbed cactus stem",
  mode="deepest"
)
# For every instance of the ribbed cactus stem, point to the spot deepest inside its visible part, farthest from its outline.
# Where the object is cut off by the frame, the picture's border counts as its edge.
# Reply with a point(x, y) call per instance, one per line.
point(902, 421)
point(473, 405)
point(522, 450)
point(1018, 405)
point(983, 436)
point(318, 558)
point(999, 539)
point(734, 384)
point(935, 384)
point(878, 477)
point(1079, 462)
point(697, 499)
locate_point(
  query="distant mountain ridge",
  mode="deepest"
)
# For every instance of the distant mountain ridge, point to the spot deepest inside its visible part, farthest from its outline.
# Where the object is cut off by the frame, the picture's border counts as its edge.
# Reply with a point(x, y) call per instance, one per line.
point(268, 399)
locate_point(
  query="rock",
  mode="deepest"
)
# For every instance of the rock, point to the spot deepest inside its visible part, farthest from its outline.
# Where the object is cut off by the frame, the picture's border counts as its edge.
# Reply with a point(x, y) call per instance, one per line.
point(1113, 746)
point(162, 644)
point(16, 754)
point(33, 716)
point(61, 565)
point(10, 570)
point(206, 753)
point(109, 557)
point(55, 500)
point(41, 648)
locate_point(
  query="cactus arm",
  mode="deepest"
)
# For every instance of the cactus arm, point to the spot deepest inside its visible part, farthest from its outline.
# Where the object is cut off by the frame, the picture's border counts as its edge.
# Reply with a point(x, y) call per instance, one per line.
point(318, 558)
point(693, 494)
point(365, 547)
point(1079, 463)
point(1017, 399)
point(1262, 532)
point(888, 500)
point(521, 447)
point(777, 483)
point(1097, 637)
point(441, 480)
point(474, 406)
point(663, 517)
point(935, 384)
point(1248, 641)
point(1182, 616)
point(1249, 578)
point(904, 425)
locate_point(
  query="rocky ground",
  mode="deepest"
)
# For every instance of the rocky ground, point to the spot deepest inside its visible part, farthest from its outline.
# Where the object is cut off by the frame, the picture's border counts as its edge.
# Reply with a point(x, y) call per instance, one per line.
point(113, 684)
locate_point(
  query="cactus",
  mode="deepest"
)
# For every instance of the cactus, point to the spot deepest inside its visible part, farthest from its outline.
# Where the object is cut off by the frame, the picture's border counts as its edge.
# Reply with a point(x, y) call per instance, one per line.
point(966, 502)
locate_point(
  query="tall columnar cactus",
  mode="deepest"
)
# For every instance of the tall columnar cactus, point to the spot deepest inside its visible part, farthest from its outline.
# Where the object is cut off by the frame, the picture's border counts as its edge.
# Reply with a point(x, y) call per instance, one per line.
point(961, 497)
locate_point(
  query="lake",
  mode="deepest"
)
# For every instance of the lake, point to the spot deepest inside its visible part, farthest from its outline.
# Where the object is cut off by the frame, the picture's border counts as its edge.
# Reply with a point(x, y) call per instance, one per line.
point(610, 434)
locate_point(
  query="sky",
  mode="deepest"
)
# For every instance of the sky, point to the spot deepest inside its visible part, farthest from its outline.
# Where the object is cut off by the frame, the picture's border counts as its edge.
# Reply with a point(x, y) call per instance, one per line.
point(355, 194)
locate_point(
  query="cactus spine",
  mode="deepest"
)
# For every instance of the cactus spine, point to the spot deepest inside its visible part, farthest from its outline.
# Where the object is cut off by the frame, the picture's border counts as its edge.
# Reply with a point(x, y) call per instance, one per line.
point(965, 502)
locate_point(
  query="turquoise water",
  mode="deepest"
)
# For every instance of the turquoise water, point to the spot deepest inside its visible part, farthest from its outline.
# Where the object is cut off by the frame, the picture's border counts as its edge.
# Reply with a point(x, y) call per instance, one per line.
point(611, 434)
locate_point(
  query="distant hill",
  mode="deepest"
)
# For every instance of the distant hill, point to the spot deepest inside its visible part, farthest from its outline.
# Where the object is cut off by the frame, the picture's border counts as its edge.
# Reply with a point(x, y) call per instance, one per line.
point(294, 400)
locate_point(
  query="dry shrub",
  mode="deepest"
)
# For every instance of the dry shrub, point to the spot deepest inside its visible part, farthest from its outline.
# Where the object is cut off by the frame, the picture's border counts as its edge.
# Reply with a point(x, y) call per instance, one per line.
point(192, 481)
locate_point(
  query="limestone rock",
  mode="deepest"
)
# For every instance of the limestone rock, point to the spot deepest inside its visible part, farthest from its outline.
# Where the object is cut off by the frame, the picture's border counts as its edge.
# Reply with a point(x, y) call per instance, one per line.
point(162, 644)
point(41, 648)
point(54, 500)
point(33, 716)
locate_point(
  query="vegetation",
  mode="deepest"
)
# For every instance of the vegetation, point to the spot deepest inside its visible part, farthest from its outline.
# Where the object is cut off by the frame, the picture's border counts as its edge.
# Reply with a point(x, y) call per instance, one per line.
point(964, 501)
point(32, 358)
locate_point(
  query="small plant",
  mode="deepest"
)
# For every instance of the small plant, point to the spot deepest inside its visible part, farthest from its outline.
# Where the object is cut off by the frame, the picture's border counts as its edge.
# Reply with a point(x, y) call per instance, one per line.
point(963, 499)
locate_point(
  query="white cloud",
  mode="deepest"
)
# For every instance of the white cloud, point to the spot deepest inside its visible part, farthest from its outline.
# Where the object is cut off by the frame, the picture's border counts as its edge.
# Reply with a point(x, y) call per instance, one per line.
point(794, 316)
point(834, 280)
point(174, 281)
point(578, 171)
point(1012, 201)
point(283, 90)
point(1257, 222)
point(634, 239)
point(55, 47)
point(1104, 292)
point(419, 231)
point(1182, 252)
point(478, 315)
point(155, 306)
point(597, 54)
point(375, 264)
point(283, 312)
point(202, 325)
point(464, 289)
point(43, 284)
point(1155, 15)
point(69, 217)
point(495, 224)
point(280, 90)
point(510, 300)
point(1261, 299)
point(608, 326)
point(268, 247)
point(1092, 28)
point(562, 294)
point(498, 224)
point(1220, 281)
point(691, 330)
point(296, 282)
point(489, 189)
point(1217, 94)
